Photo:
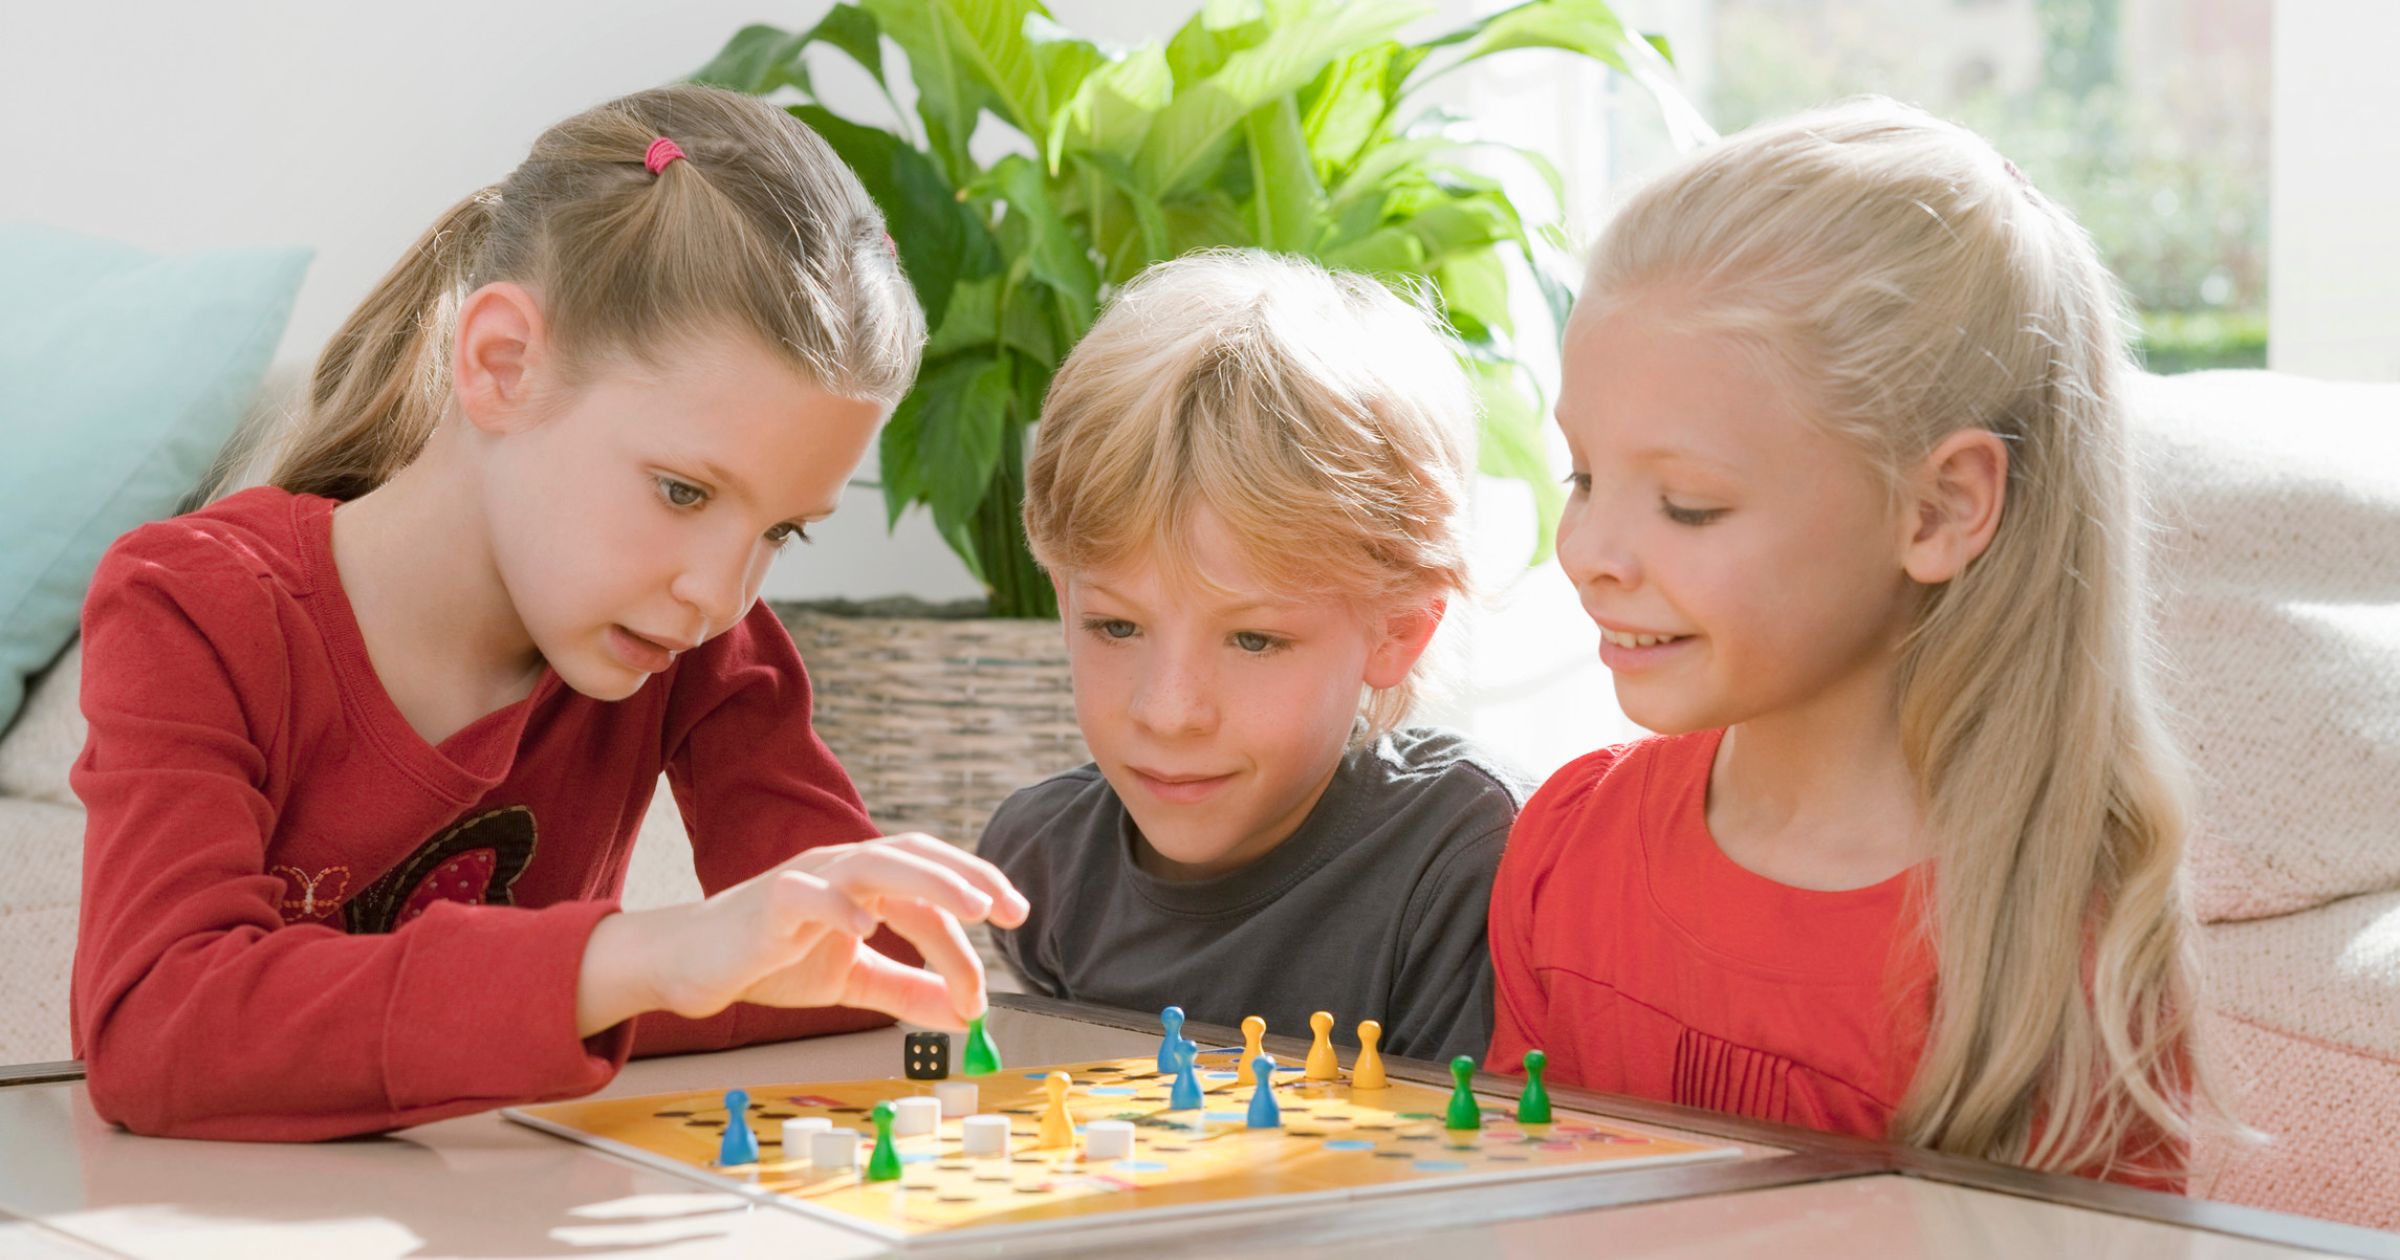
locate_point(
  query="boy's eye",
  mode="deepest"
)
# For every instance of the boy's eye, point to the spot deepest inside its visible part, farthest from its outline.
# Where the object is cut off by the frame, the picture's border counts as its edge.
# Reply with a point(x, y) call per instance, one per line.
point(682, 494)
point(1255, 643)
point(1688, 515)
point(1109, 627)
point(786, 532)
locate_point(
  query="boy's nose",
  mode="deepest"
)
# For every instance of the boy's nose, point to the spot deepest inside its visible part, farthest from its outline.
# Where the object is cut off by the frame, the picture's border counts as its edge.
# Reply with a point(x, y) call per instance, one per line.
point(1172, 699)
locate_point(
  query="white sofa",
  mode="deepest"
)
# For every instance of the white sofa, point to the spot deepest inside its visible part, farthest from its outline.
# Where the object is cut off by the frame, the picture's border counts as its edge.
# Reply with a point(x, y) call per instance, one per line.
point(2280, 606)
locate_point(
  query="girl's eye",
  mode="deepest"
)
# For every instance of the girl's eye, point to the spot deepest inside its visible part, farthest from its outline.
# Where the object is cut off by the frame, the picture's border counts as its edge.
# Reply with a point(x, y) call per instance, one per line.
point(1255, 643)
point(783, 534)
point(682, 494)
point(1688, 516)
point(1109, 627)
point(1579, 482)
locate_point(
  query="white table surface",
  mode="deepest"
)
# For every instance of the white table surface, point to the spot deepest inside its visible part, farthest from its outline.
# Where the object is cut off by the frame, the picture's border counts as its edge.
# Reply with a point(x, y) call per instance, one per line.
point(480, 1186)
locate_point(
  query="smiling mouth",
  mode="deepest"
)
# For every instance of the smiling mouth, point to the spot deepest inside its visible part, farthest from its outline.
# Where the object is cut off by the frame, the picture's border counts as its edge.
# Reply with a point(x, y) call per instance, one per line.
point(1624, 640)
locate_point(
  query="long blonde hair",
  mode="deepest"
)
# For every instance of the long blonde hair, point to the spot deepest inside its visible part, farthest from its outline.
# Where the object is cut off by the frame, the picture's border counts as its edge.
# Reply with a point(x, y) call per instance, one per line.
point(1322, 417)
point(1907, 282)
point(758, 229)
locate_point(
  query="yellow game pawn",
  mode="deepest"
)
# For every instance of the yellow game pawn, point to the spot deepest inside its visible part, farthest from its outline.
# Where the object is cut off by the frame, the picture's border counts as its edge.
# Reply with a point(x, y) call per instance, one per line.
point(1254, 1032)
point(1367, 1073)
point(1322, 1066)
point(1058, 1128)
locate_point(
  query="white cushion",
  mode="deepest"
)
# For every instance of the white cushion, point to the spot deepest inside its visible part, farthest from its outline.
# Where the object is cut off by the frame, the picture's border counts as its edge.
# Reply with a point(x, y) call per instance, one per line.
point(40, 883)
point(2278, 612)
point(37, 752)
point(2331, 974)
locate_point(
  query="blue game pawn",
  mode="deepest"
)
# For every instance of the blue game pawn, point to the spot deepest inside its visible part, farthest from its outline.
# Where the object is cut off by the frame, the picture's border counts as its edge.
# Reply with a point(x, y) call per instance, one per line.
point(1186, 1094)
point(1172, 1018)
point(740, 1145)
point(1264, 1113)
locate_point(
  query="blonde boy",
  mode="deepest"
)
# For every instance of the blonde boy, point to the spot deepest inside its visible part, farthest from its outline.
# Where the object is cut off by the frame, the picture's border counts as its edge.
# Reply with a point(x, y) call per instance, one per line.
point(1246, 487)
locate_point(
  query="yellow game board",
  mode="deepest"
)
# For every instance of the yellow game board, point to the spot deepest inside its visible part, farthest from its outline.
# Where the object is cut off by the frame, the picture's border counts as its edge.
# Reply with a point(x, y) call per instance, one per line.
point(1335, 1142)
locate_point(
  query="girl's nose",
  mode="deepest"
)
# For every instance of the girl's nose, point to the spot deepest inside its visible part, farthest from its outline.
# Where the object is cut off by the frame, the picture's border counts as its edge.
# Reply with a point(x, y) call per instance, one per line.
point(719, 587)
point(1592, 548)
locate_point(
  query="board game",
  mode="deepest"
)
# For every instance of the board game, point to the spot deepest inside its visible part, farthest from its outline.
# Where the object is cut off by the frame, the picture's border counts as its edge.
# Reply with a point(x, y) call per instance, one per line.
point(1333, 1141)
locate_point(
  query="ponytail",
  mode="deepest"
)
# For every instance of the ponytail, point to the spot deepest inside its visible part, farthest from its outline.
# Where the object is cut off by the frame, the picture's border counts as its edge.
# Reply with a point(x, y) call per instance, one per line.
point(383, 381)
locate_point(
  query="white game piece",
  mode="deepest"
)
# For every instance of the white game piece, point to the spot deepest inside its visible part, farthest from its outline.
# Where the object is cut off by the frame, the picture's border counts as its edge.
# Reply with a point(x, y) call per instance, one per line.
point(796, 1131)
point(915, 1115)
point(986, 1135)
point(833, 1149)
point(1108, 1139)
point(957, 1098)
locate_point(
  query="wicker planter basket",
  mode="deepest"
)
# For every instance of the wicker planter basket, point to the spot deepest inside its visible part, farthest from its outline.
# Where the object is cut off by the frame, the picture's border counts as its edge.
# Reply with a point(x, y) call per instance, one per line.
point(937, 716)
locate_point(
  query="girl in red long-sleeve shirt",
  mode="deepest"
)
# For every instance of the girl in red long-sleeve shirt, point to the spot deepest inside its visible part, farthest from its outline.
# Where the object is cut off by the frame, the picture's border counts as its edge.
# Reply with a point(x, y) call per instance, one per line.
point(1852, 510)
point(369, 745)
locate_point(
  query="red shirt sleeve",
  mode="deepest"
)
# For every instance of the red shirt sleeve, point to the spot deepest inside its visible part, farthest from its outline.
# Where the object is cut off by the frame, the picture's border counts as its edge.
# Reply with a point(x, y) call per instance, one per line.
point(197, 1010)
point(756, 786)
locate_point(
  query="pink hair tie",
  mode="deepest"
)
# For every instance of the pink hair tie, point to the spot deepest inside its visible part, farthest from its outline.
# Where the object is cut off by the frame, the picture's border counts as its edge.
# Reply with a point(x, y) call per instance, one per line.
point(662, 151)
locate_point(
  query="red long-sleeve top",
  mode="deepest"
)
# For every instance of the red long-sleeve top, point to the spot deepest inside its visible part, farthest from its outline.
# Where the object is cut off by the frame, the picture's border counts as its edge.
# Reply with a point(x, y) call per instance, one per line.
point(1643, 961)
point(301, 921)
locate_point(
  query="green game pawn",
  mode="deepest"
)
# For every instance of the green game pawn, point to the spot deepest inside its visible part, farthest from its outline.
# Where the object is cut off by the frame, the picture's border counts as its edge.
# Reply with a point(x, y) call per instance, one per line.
point(1465, 1112)
point(982, 1057)
point(884, 1164)
point(1533, 1106)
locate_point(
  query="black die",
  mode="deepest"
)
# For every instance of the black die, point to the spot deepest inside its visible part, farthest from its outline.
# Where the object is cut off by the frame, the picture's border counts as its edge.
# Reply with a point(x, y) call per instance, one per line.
point(928, 1056)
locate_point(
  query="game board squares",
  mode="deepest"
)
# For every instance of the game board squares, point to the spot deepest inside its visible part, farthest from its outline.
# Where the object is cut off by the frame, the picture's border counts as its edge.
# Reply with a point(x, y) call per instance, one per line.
point(673, 1115)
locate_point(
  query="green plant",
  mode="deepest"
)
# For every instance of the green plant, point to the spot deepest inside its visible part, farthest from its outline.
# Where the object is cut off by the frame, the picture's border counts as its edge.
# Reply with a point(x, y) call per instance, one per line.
point(1284, 124)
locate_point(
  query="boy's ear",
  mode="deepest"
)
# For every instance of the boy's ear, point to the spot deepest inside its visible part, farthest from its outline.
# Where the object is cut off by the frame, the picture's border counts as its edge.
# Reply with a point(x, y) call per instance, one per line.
point(1405, 636)
point(500, 344)
point(1957, 497)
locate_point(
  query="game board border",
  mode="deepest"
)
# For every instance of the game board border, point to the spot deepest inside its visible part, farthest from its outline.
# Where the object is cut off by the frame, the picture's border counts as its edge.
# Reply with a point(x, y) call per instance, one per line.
point(1297, 1202)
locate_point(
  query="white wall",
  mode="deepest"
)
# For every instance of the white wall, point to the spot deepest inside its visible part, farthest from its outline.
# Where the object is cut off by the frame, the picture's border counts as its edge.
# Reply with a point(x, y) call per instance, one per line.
point(348, 128)
point(2333, 272)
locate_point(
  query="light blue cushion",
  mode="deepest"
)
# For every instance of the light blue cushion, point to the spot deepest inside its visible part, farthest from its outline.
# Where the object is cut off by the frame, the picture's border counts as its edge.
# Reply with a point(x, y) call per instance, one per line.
point(122, 375)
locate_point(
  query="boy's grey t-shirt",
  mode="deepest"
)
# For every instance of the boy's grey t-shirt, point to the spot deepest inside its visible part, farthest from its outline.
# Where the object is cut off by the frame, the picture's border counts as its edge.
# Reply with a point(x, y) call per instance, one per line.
point(1373, 909)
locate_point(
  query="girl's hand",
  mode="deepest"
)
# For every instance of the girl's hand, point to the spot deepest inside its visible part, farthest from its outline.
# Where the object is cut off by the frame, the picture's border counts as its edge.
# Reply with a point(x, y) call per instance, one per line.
point(796, 936)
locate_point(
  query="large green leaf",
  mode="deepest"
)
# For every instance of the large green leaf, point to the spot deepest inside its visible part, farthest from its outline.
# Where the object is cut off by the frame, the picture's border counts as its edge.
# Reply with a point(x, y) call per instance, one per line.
point(1586, 27)
point(759, 59)
point(1112, 107)
point(973, 320)
point(1458, 224)
point(950, 93)
point(1285, 202)
point(1189, 133)
point(1220, 29)
point(932, 231)
point(1386, 251)
point(1131, 235)
point(1204, 222)
point(959, 430)
point(1344, 108)
point(1474, 287)
point(990, 36)
point(1511, 442)
point(853, 30)
point(1033, 231)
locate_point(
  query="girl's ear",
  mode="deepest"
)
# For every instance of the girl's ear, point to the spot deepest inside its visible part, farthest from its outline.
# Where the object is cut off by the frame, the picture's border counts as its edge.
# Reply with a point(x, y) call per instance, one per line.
point(1405, 636)
point(1958, 495)
point(501, 344)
